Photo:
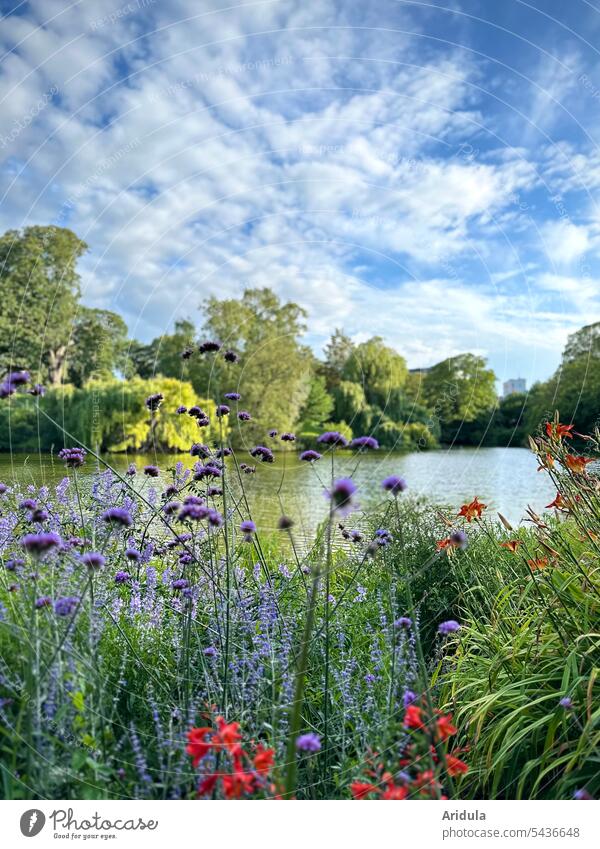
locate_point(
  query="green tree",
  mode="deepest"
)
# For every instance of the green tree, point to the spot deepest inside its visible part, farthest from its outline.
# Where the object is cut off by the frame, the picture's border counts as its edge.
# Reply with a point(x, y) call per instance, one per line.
point(40, 292)
point(338, 351)
point(97, 347)
point(459, 391)
point(574, 389)
point(317, 407)
point(378, 368)
point(273, 376)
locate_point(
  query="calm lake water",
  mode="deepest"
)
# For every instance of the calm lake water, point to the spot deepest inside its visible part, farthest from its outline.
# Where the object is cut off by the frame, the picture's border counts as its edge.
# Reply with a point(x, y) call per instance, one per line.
point(504, 478)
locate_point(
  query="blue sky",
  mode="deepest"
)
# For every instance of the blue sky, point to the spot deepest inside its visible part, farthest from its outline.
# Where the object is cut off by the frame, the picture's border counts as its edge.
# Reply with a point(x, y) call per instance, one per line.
point(426, 172)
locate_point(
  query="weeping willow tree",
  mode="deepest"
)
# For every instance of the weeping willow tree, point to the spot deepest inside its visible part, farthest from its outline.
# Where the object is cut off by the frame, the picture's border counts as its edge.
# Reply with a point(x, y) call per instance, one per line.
point(108, 416)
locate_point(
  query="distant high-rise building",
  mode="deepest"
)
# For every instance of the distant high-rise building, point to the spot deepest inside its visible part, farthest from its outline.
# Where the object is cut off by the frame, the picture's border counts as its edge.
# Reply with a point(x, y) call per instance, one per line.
point(515, 384)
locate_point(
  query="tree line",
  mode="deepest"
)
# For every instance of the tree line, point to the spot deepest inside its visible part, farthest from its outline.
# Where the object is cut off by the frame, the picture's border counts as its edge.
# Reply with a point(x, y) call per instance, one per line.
point(96, 375)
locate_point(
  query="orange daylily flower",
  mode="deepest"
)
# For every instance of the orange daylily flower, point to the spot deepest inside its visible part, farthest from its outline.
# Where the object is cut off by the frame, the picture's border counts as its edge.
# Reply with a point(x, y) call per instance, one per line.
point(538, 563)
point(577, 464)
point(546, 463)
point(559, 502)
point(444, 543)
point(473, 510)
point(511, 544)
point(556, 430)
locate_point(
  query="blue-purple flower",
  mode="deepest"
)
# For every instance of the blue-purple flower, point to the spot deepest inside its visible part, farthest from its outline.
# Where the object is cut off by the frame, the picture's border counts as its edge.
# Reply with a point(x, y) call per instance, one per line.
point(333, 438)
point(122, 577)
point(288, 437)
point(261, 452)
point(248, 528)
point(40, 544)
point(449, 627)
point(403, 622)
point(310, 743)
point(118, 516)
point(310, 456)
point(154, 401)
point(244, 416)
point(222, 410)
point(365, 443)
point(394, 484)
point(43, 601)
point(152, 471)
point(93, 559)
point(73, 458)
point(65, 606)
point(210, 347)
point(181, 409)
point(341, 494)
point(232, 396)
point(230, 356)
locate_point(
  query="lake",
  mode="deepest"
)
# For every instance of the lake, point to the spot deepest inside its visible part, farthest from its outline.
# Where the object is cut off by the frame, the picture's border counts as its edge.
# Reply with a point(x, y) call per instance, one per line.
point(504, 478)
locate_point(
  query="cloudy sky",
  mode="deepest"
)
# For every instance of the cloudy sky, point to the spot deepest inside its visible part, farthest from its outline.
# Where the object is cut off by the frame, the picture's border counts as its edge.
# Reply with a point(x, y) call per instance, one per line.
point(428, 172)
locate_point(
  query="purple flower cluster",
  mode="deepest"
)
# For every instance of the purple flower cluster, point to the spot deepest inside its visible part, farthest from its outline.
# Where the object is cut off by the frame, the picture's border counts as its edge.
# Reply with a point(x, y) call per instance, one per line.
point(333, 438)
point(73, 458)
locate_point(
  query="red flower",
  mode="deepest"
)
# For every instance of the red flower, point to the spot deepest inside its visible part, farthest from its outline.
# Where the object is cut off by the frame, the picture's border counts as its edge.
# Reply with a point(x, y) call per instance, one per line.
point(473, 510)
point(445, 543)
point(395, 791)
point(361, 789)
point(197, 745)
point(208, 784)
point(238, 783)
point(456, 766)
point(557, 431)
point(263, 759)
point(445, 727)
point(228, 735)
point(413, 717)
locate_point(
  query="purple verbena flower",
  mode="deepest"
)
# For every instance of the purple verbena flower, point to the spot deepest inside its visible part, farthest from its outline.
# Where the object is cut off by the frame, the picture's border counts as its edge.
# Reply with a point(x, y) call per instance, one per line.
point(566, 703)
point(118, 516)
point(133, 554)
point(222, 410)
point(334, 438)
point(210, 347)
point(230, 356)
point(65, 606)
point(288, 437)
point(341, 494)
point(181, 409)
point(364, 443)
point(151, 471)
point(40, 544)
point(310, 742)
point(37, 390)
point(244, 416)
point(261, 452)
point(43, 601)
point(122, 577)
point(154, 401)
point(394, 484)
point(93, 559)
point(73, 458)
point(232, 396)
point(310, 456)
point(200, 450)
point(403, 622)
point(449, 627)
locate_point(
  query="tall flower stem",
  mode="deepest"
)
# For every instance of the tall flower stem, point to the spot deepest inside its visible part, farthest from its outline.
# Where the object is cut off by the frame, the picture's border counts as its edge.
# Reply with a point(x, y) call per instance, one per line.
point(291, 764)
